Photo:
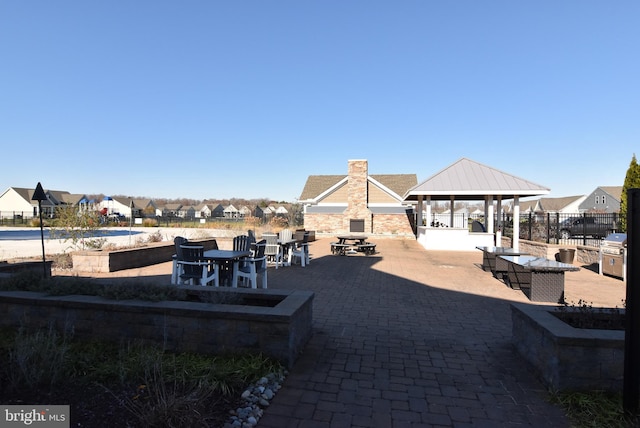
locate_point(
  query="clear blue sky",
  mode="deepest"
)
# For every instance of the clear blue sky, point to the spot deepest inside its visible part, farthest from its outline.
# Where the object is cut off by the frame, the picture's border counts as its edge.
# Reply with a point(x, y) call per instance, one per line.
point(220, 99)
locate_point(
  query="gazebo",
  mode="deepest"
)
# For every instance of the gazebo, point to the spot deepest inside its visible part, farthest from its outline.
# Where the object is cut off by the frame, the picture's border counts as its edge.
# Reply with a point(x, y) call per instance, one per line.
point(467, 180)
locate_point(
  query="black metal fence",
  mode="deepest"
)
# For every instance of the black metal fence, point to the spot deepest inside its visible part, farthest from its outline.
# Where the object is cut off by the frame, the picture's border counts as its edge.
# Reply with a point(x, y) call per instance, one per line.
point(577, 229)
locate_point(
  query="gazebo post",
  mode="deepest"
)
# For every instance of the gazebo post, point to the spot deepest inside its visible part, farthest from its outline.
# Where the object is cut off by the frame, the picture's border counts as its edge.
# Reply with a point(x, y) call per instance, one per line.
point(516, 223)
point(489, 221)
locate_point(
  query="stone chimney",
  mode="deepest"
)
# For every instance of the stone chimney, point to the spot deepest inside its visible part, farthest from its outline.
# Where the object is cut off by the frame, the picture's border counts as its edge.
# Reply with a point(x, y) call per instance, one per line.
point(357, 217)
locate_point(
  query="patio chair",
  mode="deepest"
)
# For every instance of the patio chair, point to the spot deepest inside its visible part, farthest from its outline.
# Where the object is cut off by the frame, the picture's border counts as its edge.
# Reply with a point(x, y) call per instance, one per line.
point(175, 271)
point(254, 266)
point(273, 250)
point(195, 269)
point(286, 235)
point(241, 243)
point(301, 251)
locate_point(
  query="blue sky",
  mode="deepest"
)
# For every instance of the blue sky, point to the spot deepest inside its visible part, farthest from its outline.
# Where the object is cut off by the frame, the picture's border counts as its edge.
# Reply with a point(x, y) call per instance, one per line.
point(222, 99)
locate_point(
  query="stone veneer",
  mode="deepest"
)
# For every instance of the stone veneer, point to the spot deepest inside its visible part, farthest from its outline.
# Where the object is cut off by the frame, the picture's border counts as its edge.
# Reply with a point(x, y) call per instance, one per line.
point(280, 331)
point(357, 209)
point(567, 358)
point(357, 198)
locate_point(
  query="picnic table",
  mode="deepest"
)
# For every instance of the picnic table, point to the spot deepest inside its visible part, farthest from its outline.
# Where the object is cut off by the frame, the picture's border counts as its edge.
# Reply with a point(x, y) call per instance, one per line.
point(541, 279)
point(350, 244)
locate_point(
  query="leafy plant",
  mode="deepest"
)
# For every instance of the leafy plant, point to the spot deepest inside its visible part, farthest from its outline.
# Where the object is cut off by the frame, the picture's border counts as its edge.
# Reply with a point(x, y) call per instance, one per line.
point(584, 315)
point(157, 388)
point(78, 227)
point(36, 360)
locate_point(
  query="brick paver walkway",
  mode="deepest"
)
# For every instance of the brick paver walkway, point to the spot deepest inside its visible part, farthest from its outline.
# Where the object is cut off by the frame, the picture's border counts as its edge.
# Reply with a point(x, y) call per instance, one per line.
point(411, 338)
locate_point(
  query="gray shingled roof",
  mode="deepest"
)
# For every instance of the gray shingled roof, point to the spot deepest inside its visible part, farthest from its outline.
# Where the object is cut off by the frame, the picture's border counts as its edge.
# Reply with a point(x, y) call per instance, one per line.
point(615, 191)
point(470, 180)
point(318, 184)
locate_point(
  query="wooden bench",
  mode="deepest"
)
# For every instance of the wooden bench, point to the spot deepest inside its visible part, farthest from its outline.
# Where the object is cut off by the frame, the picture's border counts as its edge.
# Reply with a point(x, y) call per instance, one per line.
point(368, 248)
point(339, 249)
point(541, 279)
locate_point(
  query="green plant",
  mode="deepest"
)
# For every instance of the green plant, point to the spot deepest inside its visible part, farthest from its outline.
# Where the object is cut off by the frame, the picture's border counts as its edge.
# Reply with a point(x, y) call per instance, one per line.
point(36, 360)
point(152, 386)
point(584, 315)
point(79, 227)
point(594, 409)
point(64, 286)
point(149, 222)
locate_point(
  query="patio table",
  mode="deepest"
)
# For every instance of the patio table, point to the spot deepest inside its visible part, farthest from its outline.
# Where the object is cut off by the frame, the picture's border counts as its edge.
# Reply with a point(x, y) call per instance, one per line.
point(541, 279)
point(489, 255)
point(225, 258)
point(287, 248)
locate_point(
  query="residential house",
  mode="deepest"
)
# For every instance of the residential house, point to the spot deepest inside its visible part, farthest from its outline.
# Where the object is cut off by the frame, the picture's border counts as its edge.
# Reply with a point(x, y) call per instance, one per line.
point(231, 212)
point(188, 212)
point(16, 202)
point(264, 213)
point(218, 211)
point(358, 202)
point(604, 199)
point(172, 210)
point(146, 208)
point(118, 205)
point(203, 211)
point(244, 211)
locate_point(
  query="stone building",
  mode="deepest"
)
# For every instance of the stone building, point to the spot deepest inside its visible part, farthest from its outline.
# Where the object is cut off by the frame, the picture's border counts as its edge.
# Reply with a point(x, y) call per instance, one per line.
point(358, 202)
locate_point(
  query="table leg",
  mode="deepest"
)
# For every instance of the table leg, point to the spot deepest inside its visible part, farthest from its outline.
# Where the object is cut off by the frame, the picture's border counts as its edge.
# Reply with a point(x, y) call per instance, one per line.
point(234, 278)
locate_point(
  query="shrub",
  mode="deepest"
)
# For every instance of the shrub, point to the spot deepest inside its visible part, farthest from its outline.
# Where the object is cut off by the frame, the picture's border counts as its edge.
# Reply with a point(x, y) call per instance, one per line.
point(149, 222)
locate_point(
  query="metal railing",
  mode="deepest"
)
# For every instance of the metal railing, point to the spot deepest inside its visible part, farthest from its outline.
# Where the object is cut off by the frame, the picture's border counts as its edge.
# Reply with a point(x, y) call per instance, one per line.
point(577, 229)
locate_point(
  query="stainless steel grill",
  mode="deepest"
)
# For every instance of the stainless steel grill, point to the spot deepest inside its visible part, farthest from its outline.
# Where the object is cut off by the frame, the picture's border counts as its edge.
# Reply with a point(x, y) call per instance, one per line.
point(613, 255)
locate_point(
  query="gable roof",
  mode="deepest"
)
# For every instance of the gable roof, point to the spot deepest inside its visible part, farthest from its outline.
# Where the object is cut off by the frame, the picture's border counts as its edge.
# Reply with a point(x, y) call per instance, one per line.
point(615, 191)
point(469, 180)
point(557, 204)
point(316, 185)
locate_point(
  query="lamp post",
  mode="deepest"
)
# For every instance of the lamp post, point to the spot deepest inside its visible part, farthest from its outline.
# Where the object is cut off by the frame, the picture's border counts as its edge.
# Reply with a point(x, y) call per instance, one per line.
point(130, 220)
point(39, 195)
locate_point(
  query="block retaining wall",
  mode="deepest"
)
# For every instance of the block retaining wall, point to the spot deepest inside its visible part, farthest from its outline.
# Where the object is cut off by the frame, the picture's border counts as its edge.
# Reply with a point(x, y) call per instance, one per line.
point(280, 331)
point(93, 261)
point(567, 358)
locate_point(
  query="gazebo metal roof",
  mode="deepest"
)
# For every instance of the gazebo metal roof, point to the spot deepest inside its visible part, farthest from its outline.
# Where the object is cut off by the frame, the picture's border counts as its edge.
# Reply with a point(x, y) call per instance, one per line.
point(469, 180)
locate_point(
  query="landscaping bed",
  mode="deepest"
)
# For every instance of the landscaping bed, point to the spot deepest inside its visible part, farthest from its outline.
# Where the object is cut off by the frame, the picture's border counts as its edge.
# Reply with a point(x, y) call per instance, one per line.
point(276, 323)
point(566, 357)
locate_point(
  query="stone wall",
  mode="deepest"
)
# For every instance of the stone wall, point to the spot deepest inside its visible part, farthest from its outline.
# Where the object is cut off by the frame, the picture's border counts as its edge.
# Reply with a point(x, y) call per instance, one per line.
point(94, 261)
point(585, 255)
point(567, 358)
point(392, 224)
point(280, 331)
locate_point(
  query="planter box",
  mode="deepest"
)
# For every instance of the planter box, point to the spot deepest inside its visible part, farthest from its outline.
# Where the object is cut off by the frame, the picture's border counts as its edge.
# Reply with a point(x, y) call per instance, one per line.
point(564, 357)
point(111, 261)
point(11, 268)
point(275, 322)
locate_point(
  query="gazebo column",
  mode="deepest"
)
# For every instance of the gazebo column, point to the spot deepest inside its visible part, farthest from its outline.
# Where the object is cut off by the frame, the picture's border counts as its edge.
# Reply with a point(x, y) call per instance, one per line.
point(489, 216)
point(428, 223)
point(516, 223)
point(499, 213)
point(451, 210)
point(419, 219)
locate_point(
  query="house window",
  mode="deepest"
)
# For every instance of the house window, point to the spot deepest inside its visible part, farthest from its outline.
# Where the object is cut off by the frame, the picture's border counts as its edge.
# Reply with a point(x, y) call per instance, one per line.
point(603, 200)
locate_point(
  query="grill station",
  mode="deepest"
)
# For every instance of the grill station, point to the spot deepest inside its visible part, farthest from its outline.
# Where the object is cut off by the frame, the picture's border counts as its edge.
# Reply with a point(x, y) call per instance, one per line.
point(613, 255)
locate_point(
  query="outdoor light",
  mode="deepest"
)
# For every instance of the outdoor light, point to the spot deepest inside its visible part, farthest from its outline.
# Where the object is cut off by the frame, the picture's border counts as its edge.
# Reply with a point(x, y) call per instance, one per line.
point(39, 195)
